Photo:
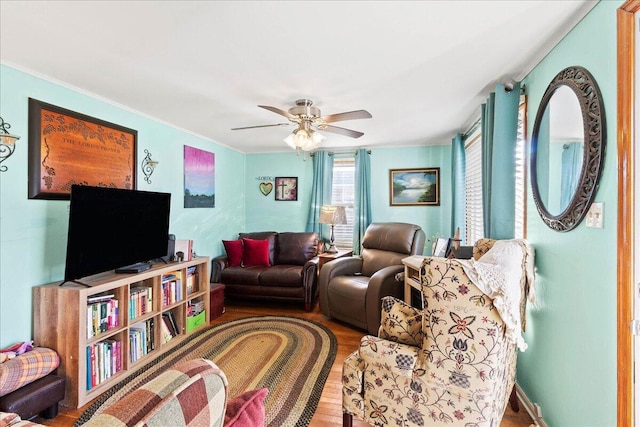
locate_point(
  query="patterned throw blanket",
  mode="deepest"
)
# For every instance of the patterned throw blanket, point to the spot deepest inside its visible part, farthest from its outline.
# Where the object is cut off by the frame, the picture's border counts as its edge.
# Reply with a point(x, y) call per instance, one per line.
point(505, 273)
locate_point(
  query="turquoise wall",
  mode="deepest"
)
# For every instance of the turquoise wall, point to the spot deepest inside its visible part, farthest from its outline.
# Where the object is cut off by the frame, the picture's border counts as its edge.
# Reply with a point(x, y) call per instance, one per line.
point(264, 212)
point(433, 219)
point(569, 368)
point(33, 233)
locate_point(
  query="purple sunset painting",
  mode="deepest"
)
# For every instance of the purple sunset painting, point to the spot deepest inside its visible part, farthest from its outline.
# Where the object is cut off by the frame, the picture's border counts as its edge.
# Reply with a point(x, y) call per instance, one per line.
point(199, 178)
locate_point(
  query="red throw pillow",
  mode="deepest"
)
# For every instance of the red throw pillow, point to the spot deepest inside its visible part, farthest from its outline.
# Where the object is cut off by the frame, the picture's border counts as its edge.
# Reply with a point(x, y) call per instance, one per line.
point(256, 252)
point(234, 251)
point(246, 409)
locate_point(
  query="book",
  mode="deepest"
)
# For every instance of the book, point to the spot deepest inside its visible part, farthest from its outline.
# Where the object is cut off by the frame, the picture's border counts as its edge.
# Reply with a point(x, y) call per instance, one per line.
point(99, 298)
point(166, 333)
point(171, 323)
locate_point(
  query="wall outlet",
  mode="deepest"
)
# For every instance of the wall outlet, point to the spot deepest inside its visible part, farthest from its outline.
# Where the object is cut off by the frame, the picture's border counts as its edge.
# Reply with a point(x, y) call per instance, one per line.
point(595, 216)
point(538, 410)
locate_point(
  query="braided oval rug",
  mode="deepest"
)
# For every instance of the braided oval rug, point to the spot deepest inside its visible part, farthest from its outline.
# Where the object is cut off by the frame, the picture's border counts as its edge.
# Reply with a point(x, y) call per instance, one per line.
point(291, 357)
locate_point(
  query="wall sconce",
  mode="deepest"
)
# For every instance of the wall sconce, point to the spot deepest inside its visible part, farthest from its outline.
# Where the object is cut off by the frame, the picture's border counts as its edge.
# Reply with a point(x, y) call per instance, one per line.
point(7, 143)
point(148, 166)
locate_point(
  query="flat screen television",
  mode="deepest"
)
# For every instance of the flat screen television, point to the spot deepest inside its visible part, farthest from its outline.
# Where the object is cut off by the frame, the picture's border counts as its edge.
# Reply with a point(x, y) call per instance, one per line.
point(111, 228)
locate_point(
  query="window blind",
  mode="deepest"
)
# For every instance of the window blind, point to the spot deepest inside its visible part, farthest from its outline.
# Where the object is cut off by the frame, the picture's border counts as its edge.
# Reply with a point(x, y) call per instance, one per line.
point(521, 171)
point(342, 194)
point(474, 225)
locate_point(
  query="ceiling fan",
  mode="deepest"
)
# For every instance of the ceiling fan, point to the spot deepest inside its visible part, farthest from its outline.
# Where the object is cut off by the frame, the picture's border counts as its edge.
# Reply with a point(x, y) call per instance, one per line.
point(309, 120)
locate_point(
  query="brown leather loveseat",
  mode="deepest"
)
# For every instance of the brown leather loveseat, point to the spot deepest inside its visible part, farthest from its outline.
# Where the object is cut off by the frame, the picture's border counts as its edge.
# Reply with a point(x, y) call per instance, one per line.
point(292, 273)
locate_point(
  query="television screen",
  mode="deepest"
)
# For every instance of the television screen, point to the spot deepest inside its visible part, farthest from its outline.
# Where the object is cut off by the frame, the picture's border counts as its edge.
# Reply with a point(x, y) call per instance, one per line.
point(110, 228)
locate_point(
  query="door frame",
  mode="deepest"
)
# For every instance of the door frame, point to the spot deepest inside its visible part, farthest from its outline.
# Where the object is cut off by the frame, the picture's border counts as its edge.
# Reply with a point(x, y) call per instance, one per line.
point(626, 216)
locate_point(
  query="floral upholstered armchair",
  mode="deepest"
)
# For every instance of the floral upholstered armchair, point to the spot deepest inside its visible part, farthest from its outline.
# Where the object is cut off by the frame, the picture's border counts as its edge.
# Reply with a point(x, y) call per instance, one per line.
point(452, 362)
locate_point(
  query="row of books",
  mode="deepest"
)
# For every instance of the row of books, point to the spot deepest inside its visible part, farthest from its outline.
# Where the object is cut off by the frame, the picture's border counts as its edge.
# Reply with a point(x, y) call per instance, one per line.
point(140, 301)
point(191, 280)
point(141, 339)
point(171, 288)
point(169, 326)
point(102, 314)
point(104, 359)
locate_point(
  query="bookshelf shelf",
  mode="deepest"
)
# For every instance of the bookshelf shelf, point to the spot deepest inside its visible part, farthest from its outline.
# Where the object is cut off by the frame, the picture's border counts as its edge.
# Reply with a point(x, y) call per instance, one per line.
point(93, 360)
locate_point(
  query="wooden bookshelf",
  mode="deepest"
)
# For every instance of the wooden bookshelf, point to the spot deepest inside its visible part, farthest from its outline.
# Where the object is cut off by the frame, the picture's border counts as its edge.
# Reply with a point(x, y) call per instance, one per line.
point(62, 321)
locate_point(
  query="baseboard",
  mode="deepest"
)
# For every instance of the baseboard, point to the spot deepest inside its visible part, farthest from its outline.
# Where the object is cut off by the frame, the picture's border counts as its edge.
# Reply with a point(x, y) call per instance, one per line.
point(530, 407)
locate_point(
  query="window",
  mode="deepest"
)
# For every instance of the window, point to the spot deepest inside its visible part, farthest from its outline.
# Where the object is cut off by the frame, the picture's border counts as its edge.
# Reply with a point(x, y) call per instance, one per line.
point(474, 222)
point(521, 172)
point(342, 194)
point(473, 180)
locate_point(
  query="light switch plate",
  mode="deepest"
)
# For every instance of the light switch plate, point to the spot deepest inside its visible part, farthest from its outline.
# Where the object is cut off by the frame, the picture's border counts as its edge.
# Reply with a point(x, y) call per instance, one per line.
point(595, 216)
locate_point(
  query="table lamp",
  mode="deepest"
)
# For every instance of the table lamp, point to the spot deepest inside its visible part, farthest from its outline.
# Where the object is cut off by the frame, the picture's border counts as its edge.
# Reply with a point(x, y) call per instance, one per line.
point(330, 214)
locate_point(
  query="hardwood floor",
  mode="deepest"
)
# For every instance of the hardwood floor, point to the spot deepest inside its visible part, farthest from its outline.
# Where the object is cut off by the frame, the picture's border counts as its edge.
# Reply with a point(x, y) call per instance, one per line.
point(329, 411)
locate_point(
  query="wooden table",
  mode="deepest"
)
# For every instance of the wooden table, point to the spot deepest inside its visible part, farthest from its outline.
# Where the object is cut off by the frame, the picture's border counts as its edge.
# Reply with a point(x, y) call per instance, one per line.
point(327, 257)
point(412, 277)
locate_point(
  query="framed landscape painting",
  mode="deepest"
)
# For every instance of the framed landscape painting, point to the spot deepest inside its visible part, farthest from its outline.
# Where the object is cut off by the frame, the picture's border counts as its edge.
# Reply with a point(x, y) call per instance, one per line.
point(414, 187)
point(199, 178)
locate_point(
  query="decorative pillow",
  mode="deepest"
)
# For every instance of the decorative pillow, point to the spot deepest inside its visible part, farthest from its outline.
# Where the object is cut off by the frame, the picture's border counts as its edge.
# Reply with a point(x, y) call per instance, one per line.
point(400, 322)
point(26, 368)
point(246, 409)
point(234, 251)
point(256, 252)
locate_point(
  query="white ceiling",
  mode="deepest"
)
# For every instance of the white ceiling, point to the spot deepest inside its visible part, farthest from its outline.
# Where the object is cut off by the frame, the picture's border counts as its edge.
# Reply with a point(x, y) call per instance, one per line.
point(421, 68)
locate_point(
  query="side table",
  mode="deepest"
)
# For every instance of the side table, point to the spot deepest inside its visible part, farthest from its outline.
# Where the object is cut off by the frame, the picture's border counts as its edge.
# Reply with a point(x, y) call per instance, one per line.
point(412, 277)
point(216, 300)
point(327, 257)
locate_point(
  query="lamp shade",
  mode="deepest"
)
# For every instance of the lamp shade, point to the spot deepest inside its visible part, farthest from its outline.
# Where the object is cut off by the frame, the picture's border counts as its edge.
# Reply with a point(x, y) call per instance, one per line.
point(330, 214)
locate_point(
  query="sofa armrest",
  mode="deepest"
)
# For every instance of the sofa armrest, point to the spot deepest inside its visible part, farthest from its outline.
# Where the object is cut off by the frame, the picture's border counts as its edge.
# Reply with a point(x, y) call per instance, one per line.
point(218, 264)
point(9, 419)
point(383, 283)
point(376, 352)
point(160, 400)
point(310, 281)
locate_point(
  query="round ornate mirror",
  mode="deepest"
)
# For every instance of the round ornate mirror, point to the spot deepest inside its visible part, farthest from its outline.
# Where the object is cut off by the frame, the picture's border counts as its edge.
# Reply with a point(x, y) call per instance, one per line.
point(567, 148)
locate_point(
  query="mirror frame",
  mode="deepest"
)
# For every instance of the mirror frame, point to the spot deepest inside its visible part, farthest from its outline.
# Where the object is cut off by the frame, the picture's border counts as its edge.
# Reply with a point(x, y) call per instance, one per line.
point(582, 83)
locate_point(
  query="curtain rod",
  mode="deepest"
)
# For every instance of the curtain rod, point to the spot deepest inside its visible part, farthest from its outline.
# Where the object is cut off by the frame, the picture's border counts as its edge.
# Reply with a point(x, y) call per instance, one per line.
point(331, 153)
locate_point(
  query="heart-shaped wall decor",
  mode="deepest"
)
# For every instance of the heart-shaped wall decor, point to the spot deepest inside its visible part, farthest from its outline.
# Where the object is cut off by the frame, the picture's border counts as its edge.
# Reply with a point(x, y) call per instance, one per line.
point(266, 187)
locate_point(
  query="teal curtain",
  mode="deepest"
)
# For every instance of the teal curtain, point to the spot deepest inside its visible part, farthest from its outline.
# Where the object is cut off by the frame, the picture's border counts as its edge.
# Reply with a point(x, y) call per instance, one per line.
point(486, 122)
point(499, 136)
point(571, 167)
point(457, 186)
point(320, 192)
point(362, 198)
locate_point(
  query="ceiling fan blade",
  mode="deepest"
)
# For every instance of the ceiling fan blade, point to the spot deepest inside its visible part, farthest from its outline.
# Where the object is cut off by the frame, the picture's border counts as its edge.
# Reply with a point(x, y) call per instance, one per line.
point(279, 111)
point(350, 115)
point(262, 126)
point(342, 131)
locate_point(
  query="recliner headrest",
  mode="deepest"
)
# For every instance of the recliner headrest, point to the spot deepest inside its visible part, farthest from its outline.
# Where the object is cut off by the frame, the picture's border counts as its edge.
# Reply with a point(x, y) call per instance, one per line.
point(390, 236)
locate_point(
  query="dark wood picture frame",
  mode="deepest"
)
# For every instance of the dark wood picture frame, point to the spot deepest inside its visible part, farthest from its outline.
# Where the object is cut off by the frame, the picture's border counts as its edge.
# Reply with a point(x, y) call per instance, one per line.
point(66, 148)
point(414, 187)
point(286, 188)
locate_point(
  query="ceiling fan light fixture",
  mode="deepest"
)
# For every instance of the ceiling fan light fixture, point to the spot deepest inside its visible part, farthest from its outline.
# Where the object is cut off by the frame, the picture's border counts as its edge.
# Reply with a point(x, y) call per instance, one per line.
point(304, 139)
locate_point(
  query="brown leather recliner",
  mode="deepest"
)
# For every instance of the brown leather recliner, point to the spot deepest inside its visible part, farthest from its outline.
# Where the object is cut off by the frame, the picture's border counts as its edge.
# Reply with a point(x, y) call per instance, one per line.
point(351, 288)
